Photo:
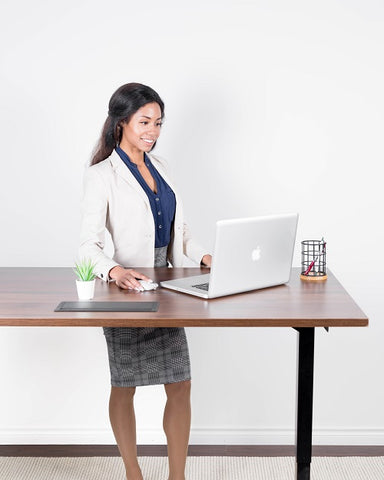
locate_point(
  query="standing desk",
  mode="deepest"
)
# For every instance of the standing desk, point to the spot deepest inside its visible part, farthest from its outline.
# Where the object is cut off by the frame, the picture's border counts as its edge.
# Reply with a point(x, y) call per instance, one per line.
point(28, 297)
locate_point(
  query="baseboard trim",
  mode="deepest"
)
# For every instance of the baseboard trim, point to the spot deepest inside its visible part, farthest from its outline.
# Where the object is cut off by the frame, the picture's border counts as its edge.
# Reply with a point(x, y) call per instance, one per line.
point(57, 435)
point(194, 450)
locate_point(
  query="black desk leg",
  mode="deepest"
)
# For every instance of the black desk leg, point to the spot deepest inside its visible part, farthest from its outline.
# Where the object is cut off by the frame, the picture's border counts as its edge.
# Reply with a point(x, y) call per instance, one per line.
point(305, 402)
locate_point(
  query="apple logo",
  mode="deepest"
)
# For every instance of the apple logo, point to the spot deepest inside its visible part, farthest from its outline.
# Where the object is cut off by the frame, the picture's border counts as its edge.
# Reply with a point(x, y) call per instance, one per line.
point(256, 254)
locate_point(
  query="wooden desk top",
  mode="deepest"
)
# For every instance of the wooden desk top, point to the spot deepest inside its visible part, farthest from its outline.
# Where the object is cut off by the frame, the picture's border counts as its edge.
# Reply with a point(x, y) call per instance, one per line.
point(28, 297)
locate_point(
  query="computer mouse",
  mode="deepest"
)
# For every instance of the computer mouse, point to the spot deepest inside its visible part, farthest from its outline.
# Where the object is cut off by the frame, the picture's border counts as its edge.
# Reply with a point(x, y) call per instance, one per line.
point(148, 285)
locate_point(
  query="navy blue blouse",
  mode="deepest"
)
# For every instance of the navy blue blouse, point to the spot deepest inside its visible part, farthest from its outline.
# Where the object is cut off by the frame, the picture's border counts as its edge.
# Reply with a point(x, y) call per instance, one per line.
point(163, 202)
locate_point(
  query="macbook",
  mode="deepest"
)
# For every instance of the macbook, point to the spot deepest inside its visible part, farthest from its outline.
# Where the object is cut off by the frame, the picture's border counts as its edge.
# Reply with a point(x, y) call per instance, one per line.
point(249, 253)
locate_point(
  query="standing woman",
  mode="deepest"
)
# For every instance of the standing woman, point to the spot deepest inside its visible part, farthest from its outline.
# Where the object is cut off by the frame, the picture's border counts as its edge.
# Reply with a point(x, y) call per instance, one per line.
point(128, 192)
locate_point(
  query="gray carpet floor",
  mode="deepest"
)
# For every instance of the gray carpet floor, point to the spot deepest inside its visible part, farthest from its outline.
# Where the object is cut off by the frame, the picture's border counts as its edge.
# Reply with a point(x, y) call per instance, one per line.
point(198, 468)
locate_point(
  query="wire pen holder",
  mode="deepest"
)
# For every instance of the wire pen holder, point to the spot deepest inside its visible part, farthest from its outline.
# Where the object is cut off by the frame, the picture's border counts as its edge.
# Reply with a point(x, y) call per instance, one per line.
point(313, 260)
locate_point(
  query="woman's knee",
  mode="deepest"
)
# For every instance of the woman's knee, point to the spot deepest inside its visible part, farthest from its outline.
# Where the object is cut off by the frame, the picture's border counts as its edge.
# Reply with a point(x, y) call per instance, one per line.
point(123, 393)
point(178, 389)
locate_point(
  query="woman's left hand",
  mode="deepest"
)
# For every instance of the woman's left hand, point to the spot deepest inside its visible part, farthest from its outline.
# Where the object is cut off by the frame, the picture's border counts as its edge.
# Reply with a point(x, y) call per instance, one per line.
point(206, 261)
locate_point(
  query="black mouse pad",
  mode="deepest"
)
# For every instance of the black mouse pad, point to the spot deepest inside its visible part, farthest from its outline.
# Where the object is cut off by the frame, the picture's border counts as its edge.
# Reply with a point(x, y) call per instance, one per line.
point(90, 306)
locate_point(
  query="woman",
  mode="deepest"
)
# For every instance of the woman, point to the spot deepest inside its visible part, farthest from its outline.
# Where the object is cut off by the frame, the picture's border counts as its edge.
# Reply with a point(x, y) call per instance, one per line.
point(127, 191)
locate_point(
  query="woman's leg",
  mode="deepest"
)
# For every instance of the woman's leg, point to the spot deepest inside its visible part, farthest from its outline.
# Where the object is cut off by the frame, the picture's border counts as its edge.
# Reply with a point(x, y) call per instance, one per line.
point(123, 421)
point(177, 425)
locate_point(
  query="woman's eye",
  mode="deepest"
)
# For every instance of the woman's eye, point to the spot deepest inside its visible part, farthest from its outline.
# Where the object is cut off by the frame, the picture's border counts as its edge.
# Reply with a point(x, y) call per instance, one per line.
point(144, 122)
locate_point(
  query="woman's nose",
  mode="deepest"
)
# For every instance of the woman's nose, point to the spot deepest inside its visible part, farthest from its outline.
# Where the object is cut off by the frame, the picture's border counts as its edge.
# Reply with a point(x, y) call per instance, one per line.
point(153, 129)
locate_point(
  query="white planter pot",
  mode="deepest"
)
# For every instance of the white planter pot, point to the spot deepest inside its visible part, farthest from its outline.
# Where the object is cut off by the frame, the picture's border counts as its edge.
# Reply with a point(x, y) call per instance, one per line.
point(85, 290)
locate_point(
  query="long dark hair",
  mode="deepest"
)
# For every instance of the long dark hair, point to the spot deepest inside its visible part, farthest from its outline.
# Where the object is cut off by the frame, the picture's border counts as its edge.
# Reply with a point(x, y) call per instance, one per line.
point(123, 104)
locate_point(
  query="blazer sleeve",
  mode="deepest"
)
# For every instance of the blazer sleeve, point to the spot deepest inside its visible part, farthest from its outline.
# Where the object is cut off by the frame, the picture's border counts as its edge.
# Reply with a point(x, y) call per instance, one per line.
point(94, 209)
point(191, 248)
point(188, 246)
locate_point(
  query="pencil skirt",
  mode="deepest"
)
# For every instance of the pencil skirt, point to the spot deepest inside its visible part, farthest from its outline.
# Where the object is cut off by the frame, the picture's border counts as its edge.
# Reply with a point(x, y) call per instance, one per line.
point(148, 356)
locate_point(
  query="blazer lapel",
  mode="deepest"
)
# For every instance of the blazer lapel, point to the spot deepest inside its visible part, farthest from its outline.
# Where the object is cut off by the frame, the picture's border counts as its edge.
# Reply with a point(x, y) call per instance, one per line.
point(123, 171)
point(159, 167)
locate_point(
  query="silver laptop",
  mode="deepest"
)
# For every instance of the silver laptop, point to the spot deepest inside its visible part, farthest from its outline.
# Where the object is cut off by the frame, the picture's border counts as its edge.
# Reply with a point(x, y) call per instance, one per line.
point(249, 253)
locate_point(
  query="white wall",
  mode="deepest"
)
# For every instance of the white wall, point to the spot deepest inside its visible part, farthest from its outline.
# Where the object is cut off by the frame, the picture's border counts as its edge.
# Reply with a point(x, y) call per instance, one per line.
point(271, 106)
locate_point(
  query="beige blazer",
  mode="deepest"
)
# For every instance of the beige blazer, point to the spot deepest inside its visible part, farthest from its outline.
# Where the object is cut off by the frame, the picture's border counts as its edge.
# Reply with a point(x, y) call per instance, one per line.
point(114, 200)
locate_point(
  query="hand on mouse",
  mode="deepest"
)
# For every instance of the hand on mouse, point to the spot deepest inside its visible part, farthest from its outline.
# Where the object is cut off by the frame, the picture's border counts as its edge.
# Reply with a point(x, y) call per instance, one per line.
point(127, 278)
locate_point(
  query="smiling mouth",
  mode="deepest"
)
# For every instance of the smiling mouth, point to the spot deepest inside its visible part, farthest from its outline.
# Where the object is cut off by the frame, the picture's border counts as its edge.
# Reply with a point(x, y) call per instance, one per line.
point(147, 140)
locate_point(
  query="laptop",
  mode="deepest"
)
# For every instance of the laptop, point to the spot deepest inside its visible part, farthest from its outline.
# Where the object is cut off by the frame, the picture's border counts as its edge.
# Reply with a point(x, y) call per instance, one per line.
point(249, 253)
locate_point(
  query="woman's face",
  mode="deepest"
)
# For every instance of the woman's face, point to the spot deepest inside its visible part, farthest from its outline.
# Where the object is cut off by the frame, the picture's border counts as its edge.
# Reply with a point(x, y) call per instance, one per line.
point(143, 129)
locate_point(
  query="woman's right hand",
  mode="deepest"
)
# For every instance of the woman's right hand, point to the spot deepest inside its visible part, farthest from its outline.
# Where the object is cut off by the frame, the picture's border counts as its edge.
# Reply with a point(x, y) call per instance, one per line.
point(127, 278)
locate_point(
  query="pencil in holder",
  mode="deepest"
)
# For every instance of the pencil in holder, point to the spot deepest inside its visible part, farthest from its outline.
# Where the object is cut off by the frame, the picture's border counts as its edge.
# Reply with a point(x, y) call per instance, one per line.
point(313, 260)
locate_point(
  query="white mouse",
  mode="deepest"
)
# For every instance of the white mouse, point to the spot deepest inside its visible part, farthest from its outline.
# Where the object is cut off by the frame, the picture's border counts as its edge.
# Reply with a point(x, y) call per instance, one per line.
point(148, 285)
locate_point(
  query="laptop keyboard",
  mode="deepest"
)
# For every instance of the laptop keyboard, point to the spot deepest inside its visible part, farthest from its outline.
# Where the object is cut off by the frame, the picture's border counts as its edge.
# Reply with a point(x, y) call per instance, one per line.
point(202, 286)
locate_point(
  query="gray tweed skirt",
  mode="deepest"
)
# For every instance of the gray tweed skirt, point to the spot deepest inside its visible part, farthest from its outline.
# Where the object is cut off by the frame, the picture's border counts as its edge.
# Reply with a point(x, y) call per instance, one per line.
point(148, 356)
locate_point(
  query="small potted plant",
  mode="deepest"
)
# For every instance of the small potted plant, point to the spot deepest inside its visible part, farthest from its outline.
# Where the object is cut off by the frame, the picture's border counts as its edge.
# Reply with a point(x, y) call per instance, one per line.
point(85, 283)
